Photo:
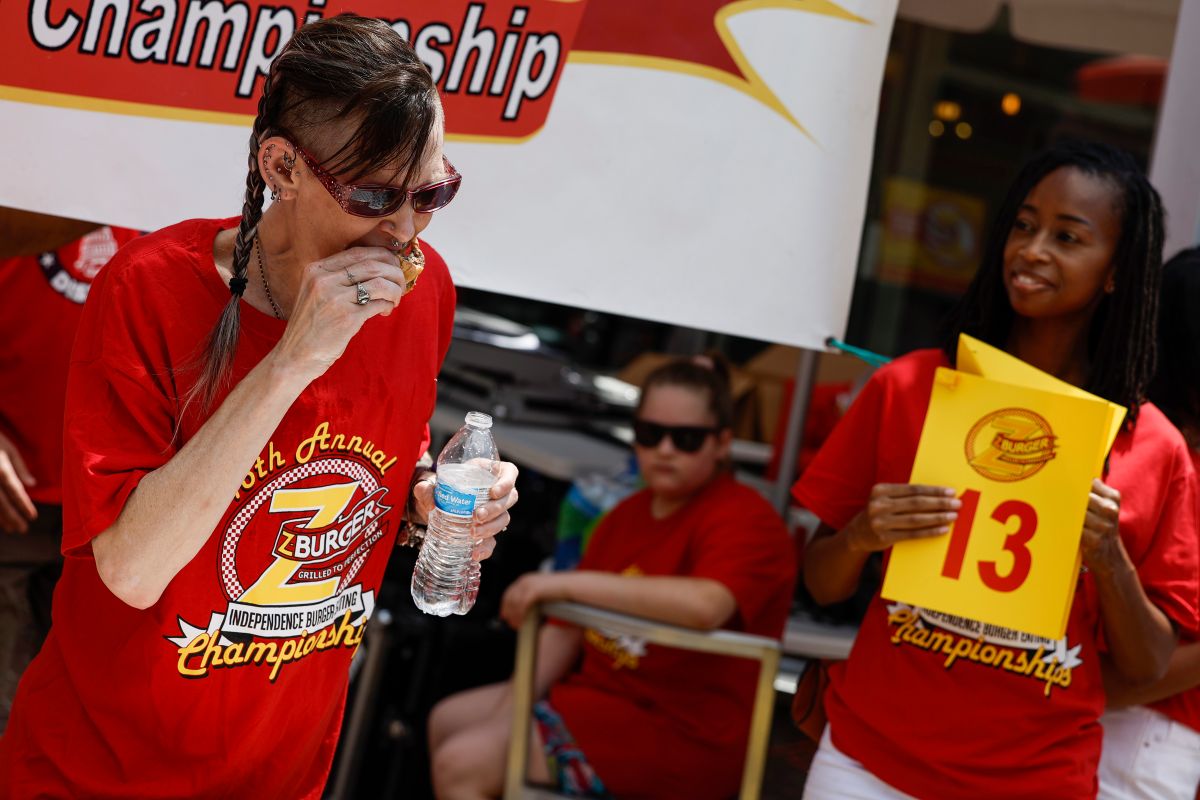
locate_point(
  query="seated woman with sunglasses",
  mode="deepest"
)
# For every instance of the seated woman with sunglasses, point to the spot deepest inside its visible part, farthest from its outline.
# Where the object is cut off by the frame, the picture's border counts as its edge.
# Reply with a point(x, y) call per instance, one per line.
point(242, 436)
point(694, 548)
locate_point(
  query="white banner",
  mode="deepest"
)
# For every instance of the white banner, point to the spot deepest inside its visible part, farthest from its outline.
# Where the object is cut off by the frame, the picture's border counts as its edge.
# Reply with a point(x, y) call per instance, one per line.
point(696, 162)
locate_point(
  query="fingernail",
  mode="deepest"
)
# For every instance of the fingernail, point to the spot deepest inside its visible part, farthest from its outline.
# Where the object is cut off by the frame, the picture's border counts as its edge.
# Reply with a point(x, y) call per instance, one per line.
point(948, 492)
point(480, 514)
point(956, 503)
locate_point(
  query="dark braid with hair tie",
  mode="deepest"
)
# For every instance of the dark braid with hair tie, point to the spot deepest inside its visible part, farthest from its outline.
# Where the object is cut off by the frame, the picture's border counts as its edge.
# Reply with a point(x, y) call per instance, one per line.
point(252, 205)
point(222, 343)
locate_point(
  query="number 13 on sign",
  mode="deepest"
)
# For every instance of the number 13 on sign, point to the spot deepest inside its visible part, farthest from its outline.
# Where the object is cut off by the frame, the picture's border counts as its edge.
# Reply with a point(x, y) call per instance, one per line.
point(1016, 543)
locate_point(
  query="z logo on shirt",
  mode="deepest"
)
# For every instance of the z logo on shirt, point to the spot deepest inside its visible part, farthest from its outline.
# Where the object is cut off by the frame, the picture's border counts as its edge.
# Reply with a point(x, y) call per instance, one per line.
point(324, 518)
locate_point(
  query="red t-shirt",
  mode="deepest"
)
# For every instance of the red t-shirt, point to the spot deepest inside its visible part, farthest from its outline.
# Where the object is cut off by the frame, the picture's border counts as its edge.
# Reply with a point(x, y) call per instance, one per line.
point(1016, 717)
point(658, 722)
point(1185, 706)
point(43, 301)
point(233, 683)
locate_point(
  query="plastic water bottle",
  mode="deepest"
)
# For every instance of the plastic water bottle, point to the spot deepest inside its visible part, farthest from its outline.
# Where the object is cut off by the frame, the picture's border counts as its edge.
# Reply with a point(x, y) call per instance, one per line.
point(446, 580)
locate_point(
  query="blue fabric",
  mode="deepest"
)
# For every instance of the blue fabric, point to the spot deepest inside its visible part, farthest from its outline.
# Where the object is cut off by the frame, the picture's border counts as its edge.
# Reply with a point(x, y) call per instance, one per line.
point(568, 765)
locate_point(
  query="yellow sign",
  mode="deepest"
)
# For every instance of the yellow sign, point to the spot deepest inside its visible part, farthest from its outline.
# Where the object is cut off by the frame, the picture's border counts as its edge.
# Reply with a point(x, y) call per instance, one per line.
point(1022, 459)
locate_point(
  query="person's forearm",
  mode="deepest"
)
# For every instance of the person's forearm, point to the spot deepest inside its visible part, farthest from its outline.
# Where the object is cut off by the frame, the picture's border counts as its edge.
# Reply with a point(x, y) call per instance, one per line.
point(832, 568)
point(558, 650)
point(700, 603)
point(1183, 674)
point(175, 508)
point(1140, 637)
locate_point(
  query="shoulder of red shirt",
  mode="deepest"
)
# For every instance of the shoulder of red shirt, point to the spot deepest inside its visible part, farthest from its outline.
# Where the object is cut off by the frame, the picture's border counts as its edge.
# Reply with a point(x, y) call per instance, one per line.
point(1153, 427)
point(146, 252)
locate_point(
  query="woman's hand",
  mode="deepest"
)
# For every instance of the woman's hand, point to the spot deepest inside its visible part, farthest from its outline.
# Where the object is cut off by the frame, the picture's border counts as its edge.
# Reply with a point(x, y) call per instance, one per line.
point(899, 511)
point(1101, 541)
point(490, 518)
point(326, 315)
point(531, 588)
point(16, 509)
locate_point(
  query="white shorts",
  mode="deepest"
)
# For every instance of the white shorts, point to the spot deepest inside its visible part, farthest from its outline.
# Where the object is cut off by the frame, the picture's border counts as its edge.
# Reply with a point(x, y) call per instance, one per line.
point(1148, 756)
point(834, 775)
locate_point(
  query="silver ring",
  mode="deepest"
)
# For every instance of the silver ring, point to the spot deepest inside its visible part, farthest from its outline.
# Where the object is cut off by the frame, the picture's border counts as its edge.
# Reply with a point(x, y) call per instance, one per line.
point(363, 297)
point(348, 275)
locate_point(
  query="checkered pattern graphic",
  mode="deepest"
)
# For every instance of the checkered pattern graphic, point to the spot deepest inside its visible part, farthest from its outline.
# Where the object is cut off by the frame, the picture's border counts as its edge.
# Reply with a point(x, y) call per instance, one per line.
point(333, 467)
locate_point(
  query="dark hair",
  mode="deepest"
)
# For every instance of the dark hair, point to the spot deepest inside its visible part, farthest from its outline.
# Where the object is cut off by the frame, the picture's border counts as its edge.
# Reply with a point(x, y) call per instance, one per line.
point(344, 68)
point(1121, 340)
point(1176, 385)
point(707, 374)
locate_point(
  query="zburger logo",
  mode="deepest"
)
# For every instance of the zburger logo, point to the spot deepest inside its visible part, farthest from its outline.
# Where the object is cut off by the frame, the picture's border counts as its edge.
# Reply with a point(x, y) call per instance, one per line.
point(1011, 444)
point(299, 543)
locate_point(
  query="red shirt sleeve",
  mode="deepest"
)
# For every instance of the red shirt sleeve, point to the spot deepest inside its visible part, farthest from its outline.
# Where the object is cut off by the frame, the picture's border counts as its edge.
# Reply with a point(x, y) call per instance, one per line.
point(120, 411)
point(837, 484)
point(447, 300)
point(1170, 567)
point(744, 546)
point(446, 307)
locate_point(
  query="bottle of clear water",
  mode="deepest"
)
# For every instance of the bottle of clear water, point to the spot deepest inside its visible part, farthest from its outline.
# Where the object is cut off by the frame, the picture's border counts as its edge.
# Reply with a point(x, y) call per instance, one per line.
point(446, 580)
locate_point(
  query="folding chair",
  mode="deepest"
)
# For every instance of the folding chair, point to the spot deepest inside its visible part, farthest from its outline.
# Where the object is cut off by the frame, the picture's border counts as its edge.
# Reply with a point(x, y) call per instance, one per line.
point(741, 645)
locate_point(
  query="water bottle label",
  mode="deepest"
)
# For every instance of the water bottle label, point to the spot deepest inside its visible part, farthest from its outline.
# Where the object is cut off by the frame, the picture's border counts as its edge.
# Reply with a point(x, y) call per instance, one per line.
point(452, 501)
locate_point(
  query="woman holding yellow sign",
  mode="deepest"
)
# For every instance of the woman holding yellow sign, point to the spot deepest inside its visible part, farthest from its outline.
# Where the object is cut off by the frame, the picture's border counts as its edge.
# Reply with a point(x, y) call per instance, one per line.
point(932, 704)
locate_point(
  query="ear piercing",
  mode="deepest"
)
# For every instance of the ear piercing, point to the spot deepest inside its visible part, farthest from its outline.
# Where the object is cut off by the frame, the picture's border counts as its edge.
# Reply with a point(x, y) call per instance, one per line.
point(266, 158)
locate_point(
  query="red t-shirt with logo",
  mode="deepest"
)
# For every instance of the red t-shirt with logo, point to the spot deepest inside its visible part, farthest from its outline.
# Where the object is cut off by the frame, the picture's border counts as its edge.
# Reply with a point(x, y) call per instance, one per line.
point(43, 301)
point(659, 722)
point(1185, 706)
point(233, 683)
point(1016, 716)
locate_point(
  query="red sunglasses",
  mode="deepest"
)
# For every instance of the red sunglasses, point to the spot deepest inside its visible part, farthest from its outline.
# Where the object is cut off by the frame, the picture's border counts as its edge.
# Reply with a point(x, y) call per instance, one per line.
point(374, 200)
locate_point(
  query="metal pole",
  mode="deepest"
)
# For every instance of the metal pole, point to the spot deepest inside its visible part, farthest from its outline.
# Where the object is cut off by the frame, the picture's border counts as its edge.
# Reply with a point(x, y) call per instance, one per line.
point(366, 699)
point(524, 672)
point(806, 377)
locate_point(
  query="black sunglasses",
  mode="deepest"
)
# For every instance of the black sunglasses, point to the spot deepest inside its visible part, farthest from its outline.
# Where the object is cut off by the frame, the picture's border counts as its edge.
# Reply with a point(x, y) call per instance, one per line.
point(685, 438)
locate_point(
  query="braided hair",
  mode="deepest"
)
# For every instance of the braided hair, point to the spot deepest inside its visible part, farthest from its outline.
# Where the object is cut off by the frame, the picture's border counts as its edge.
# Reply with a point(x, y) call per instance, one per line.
point(1176, 385)
point(347, 69)
point(1121, 340)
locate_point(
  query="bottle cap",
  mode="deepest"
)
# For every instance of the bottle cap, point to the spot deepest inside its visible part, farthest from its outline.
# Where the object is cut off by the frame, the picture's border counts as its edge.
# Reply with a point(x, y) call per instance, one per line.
point(477, 419)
